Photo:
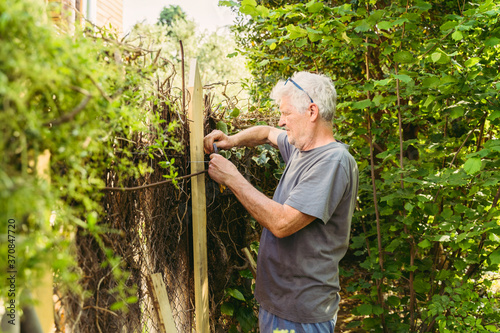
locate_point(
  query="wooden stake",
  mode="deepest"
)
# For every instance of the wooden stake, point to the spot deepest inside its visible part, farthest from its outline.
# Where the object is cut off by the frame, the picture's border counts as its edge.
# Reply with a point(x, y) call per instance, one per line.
point(43, 292)
point(158, 293)
point(195, 113)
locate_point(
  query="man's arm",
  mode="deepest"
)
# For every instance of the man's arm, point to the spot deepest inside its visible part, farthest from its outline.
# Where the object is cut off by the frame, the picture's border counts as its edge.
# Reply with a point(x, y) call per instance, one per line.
point(249, 137)
point(281, 220)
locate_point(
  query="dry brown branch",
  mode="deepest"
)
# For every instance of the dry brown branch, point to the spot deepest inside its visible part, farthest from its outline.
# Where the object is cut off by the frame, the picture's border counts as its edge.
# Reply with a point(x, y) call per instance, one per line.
point(151, 185)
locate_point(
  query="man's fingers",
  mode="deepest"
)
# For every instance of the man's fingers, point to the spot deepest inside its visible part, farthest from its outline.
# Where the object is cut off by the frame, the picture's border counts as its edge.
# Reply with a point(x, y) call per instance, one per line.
point(209, 140)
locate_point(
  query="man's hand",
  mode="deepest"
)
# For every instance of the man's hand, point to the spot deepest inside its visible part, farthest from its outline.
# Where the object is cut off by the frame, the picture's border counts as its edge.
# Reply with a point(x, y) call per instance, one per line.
point(222, 170)
point(221, 140)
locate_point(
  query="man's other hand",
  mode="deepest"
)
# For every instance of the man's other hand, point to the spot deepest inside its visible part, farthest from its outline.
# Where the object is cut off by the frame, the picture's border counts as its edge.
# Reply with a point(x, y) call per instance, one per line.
point(219, 138)
point(221, 170)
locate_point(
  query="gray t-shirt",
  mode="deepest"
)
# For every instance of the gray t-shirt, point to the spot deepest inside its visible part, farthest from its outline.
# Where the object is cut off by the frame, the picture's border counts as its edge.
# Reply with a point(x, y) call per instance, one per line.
point(297, 276)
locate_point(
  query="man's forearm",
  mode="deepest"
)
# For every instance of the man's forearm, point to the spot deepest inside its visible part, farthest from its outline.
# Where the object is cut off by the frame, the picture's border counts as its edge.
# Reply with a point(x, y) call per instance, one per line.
point(251, 137)
point(280, 220)
point(263, 209)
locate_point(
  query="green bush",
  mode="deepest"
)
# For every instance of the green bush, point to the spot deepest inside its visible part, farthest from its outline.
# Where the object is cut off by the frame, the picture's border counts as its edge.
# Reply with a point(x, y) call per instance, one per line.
point(418, 103)
point(81, 98)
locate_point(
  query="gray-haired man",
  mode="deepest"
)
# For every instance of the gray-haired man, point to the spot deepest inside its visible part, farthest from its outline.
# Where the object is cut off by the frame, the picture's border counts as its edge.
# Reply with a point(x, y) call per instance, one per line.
point(307, 223)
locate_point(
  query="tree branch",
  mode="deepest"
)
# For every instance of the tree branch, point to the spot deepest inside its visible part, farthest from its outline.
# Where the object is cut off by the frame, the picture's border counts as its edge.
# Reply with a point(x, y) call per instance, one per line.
point(72, 114)
point(124, 189)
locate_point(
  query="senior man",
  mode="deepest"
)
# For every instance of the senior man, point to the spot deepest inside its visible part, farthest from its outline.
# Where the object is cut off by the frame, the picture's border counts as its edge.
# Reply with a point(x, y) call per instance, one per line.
point(306, 225)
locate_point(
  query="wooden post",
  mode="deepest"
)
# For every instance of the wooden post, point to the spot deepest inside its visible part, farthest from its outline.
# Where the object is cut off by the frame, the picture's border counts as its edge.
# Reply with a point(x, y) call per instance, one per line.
point(158, 293)
point(44, 291)
point(195, 113)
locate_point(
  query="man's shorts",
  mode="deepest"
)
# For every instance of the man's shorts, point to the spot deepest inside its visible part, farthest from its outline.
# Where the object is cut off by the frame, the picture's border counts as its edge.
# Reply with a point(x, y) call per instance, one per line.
point(268, 323)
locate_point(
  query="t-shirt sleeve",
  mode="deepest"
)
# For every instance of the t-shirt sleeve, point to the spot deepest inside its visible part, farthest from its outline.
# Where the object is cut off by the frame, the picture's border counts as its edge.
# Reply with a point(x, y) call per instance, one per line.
point(321, 190)
point(284, 146)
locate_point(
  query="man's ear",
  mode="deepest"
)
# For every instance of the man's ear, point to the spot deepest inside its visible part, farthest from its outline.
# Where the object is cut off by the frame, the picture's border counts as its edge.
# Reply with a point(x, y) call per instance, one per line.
point(314, 110)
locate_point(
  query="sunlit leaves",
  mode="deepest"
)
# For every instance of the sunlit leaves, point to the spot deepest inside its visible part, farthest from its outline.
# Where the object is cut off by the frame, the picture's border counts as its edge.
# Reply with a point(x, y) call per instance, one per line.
point(472, 165)
point(435, 64)
point(404, 57)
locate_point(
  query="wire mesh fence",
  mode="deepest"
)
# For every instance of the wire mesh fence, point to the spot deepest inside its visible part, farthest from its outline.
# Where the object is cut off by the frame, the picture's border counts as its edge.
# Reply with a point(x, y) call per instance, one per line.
point(150, 230)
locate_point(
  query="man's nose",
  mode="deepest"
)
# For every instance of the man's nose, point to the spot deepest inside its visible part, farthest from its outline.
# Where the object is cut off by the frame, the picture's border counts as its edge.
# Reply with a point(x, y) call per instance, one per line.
point(281, 122)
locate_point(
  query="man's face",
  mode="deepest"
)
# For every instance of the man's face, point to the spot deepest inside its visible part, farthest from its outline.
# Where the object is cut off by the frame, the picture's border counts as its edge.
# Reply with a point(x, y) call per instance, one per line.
point(295, 123)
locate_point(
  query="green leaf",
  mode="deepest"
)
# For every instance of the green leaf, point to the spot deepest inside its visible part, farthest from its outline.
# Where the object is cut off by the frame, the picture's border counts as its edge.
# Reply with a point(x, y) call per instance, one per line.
point(422, 5)
point(236, 294)
point(227, 309)
point(246, 274)
point(117, 306)
point(249, 9)
point(491, 328)
point(365, 309)
point(222, 126)
point(420, 285)
point(131, 299)
point(270, 41)
point(457, 112)
point(384, 25)
point(357, 242)
point(436, 56)
point(382, 82)
point(492, 41)
point(472, 61)
point(425, 244)
point(345, 37)
point(494, 115)
point(314, 35)
point(472, 165)
point(249, 3)
point(262, 11)
point(235, 113)
point(263, 62)
point(404, 57)
point(494, 238)
point(299, 42)
point(232, 55)
point(402, 77)
point(457, 35)
point(246, 318)
point(295, 31)
point(495, 257)
point(362, 104)
point(442, 238)
point(448, 79)
point(400, 22)
point(377, 100)
point(394, 245)
point(362, 26)
point(448, 25)
point(430, 82)
point(409, 207)
point(378, 310)
point(429, 100)
point(228, 3)
point(393, 300)
point(314, 7)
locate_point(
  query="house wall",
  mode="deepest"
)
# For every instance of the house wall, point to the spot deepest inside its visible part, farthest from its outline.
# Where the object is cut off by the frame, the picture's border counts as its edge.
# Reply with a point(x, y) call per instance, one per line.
point(106, 12)
point(110, 12)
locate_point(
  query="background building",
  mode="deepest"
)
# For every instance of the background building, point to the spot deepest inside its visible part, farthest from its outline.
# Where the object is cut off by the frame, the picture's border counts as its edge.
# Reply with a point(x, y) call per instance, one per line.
point(102, 13)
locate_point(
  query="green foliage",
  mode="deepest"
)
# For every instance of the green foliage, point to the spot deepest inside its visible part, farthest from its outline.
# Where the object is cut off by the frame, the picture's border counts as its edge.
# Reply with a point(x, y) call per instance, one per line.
point(217, 61)
point(418, 85)
point(240, 304)
point(81, 99)
point(170, 14)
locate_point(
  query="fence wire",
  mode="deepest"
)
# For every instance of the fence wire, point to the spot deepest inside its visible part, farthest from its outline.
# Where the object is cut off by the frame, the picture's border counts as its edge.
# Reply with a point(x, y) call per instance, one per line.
point(150, 229)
